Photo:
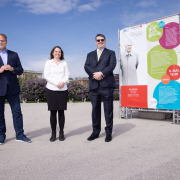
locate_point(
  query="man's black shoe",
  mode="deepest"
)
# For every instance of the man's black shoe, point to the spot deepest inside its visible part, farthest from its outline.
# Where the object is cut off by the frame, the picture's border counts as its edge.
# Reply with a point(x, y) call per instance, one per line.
point(92, 137)
point(108, 138)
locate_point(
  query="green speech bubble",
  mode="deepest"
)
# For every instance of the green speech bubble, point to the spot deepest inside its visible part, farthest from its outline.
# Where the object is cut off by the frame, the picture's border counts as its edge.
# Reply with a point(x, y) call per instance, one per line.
point(159, 59)
point(153, 32)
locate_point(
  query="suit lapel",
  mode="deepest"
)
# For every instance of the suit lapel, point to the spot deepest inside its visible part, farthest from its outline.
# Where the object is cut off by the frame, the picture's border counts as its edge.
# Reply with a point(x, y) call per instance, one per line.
point(1, 62)
point(8, 57)
point(95, 56)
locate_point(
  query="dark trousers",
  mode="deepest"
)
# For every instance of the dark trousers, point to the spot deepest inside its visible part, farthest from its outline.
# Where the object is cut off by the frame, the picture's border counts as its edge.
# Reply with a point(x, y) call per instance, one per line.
point(14, 102)
point(106, 94)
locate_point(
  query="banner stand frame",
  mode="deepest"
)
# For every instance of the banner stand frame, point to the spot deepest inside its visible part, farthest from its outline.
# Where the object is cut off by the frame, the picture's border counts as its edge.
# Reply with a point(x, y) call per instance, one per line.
point(125, 112)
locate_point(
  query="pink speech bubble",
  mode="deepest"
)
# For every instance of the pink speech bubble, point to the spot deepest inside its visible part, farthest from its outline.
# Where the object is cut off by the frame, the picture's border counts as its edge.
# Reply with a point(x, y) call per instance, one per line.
point(170, 37)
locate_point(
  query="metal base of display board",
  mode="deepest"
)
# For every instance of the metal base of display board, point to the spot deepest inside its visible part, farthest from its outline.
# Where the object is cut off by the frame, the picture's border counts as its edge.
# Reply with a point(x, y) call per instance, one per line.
point(126, 113)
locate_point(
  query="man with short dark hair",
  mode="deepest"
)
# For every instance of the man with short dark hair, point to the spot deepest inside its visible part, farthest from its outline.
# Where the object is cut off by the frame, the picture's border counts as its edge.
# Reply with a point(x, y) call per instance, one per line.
point(10, 67)
point(99, 66)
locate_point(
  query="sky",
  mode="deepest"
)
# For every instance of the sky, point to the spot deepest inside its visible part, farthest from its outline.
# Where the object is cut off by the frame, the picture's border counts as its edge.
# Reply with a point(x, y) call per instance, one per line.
point(34, 27)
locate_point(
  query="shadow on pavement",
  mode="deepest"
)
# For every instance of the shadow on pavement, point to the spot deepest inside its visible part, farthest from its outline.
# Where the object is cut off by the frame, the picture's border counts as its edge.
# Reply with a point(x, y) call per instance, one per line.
point(122, 128)
point(80, 130)
point(118, 129)
point(38, 132)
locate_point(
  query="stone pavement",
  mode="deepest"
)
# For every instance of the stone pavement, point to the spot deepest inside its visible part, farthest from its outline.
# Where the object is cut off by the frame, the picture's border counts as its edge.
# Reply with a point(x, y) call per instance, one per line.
point(141, 149)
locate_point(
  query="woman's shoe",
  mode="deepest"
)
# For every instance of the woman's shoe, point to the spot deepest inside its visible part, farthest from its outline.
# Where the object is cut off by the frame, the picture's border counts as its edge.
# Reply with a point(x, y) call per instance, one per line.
point(53, 136)
point(61, 136)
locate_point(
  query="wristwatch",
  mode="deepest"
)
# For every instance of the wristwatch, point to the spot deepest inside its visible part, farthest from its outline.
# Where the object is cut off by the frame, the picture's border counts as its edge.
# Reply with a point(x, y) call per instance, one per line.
point(12, 68)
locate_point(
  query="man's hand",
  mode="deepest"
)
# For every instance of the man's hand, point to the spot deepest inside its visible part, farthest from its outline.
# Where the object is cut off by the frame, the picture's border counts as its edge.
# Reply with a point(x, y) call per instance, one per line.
point(97, 75)
point(60, 85)
point(8, 68)
point(2, 69)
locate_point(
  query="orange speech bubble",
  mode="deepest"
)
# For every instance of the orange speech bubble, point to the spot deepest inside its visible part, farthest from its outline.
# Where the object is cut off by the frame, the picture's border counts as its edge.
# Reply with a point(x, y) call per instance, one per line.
point(165, 79)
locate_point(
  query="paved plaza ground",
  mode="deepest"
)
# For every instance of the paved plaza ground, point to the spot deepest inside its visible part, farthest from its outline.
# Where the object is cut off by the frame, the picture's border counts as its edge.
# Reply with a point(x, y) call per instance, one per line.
point(141, 149)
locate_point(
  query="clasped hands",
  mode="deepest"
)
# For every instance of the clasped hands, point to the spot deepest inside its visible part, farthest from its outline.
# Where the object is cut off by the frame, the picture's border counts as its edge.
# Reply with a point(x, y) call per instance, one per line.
point(97, 76)
point(60, 85)
point(6, 68)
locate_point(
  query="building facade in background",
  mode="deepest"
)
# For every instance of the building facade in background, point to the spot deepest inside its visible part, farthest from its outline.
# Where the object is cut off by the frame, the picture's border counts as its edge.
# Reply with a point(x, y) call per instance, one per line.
point(29, 73)
point(82, 80)
point(85, 81)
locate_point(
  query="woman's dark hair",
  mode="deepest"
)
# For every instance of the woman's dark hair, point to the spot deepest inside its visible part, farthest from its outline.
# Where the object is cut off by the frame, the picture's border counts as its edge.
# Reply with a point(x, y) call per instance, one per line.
point(62, 53)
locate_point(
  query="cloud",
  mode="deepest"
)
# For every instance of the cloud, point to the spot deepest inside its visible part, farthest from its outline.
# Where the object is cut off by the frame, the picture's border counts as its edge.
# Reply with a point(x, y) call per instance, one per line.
point(145, 4)
point(76, 64)
point(53, 6)
point(89, 7)
point(3, 2)
point(133, 19)
point(47, 6)
point(35, 63)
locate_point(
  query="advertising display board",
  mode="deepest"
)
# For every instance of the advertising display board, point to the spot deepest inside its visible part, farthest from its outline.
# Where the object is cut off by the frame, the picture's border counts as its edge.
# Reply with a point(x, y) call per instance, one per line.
point(150, 64)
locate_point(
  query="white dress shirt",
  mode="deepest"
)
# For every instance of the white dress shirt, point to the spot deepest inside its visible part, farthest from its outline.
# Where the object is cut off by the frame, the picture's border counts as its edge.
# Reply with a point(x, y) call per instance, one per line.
point(56, 73)
point(4, 56)
point(99, 50)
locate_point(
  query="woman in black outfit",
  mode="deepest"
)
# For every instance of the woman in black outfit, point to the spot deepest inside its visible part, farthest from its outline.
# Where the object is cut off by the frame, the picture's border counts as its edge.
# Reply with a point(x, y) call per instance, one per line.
point(57, 75)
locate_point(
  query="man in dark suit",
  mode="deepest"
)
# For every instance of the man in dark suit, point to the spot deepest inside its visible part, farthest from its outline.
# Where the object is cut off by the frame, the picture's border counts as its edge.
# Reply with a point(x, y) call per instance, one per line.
point(10, 67)
point(99, 66)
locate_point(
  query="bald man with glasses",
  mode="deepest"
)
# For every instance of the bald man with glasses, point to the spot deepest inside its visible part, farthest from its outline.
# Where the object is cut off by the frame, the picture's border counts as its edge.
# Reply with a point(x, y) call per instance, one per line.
point(99, 66)
point(128, 64)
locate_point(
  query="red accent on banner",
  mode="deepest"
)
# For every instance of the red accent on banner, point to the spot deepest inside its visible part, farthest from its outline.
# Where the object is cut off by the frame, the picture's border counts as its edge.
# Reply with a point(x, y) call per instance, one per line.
point(134, 96)
point(174, 72)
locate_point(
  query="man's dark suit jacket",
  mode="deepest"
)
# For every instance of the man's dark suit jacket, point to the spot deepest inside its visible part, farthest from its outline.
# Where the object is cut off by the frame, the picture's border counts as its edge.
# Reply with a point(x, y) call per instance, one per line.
point(9, 76)
point(106, 65)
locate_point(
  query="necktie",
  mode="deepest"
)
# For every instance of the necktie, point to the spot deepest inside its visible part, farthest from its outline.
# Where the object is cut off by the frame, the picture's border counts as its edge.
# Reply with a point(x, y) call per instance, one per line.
point(99, 54)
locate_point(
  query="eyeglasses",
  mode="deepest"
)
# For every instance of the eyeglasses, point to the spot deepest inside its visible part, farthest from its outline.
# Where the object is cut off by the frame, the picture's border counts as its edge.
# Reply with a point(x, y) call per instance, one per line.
point(98, 40)
point(2, 40)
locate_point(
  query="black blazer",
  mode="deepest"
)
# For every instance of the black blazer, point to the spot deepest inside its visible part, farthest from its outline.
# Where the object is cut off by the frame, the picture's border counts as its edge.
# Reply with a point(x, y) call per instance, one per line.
point(106, 65)
point(11, 77)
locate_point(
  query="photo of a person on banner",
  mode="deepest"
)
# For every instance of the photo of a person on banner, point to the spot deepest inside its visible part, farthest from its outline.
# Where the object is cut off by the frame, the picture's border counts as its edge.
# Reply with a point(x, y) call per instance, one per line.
point(128, 64)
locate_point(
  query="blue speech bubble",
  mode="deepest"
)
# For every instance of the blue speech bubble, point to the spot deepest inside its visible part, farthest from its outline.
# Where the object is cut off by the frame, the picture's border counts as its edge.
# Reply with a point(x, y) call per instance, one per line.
point(161, 24)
